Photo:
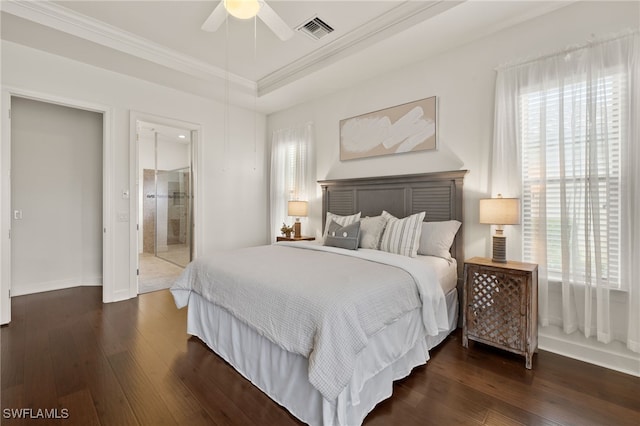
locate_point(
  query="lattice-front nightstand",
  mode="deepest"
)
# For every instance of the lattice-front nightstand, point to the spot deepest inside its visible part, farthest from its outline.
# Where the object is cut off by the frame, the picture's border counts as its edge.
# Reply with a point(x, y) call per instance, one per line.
point(295, 238)
point(501, 305)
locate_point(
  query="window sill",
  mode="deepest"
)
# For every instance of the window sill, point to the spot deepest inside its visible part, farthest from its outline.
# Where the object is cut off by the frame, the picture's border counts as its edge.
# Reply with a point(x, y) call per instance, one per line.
point(616, 294)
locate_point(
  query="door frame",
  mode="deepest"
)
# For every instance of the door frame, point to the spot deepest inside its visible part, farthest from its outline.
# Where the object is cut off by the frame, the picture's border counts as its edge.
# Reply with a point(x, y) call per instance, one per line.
point(5, 199)
point(196, 132)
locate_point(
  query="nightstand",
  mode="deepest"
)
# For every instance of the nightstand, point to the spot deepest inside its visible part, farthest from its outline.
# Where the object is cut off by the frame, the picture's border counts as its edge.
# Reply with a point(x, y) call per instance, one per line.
point(500, 305)
point(295, 238)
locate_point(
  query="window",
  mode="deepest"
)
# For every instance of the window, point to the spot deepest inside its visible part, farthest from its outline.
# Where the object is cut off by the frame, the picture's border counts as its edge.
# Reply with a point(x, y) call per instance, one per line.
point(571, 136)
point(295, 162)
point(292, 174)
point(566, 141)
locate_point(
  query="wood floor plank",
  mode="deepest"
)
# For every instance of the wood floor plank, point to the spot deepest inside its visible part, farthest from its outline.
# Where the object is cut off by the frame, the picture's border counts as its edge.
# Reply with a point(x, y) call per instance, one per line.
point(40, 389)
point(148, 406)
point(12, 351)
point(221, 410)
point(80, 408)
point(497, 419)
point(448, 393)
point(68, 371)
point(599, 383)
point(179, 400)
point(12, 347)
point(132, 363)
point(116, 328)
point(256, 405)
point(12, 398)
point(397, 411)
point(531, 394)
point(242, 391)
point(109, 398)
point(459, 396)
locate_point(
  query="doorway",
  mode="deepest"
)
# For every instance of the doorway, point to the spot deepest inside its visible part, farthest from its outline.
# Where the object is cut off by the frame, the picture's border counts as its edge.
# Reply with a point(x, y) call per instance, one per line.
point(165, 204)
point(109, 290)
point(56, 196)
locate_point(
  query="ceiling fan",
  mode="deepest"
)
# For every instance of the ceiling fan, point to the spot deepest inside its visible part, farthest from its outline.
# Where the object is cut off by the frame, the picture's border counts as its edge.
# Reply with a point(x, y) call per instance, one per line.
point(246, 9)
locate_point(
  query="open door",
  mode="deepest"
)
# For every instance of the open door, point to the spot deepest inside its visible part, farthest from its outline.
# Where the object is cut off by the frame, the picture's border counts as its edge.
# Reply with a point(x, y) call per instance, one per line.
point(165, 204)
point(11, 214)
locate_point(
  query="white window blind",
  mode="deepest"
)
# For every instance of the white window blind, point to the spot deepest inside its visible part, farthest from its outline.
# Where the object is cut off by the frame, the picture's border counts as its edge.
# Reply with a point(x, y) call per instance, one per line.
point(571, 177)
point(296, 160)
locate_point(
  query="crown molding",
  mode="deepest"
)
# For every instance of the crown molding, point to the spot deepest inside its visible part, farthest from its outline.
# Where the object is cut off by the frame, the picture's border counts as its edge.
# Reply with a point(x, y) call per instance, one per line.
point(404, 15)
point(68, 21)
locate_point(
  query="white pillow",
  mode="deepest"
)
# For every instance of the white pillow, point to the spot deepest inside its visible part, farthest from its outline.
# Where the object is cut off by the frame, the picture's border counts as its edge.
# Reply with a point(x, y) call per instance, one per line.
point(340, 220)
point(371, 229)
point(437, 237)
point(402, 236)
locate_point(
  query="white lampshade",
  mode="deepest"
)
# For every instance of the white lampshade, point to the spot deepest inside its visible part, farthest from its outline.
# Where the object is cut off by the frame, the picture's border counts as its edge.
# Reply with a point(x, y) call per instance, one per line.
point(298, 208)
point(500, 211)
point(242, 9)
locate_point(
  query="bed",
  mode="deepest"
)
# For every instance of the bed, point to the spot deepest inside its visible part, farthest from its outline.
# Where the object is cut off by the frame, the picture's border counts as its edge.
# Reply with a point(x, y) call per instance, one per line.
point(325, 331)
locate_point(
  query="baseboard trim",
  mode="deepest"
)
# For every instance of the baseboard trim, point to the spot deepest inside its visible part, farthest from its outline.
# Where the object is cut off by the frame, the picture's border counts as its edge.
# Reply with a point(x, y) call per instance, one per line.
point(32, 288)
point(615, 355)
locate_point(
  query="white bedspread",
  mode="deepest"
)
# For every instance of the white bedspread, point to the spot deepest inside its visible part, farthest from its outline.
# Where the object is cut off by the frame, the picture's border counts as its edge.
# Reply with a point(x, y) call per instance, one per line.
point(320, 302)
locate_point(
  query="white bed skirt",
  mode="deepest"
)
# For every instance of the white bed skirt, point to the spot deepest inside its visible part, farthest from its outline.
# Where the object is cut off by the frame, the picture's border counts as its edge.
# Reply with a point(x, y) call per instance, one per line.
point(390, 355)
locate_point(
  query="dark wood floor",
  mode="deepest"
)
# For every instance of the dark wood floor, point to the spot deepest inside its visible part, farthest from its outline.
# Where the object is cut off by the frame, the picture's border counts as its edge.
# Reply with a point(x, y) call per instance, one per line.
point(132, 363)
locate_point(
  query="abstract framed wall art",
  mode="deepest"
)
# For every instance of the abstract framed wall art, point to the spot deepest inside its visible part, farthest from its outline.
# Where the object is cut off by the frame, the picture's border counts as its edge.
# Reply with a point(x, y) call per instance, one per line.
point(404, 128)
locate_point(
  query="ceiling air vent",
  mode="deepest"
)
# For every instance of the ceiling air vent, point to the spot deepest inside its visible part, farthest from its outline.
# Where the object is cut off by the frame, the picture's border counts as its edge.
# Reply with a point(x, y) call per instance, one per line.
point(315, 28)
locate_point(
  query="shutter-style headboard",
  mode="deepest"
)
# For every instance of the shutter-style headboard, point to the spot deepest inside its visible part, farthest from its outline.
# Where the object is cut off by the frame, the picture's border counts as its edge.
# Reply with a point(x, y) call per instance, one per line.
point(438, 194)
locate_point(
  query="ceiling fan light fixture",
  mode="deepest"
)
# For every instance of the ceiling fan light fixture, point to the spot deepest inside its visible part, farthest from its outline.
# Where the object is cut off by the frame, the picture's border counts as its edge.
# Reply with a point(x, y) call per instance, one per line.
point(242, 9)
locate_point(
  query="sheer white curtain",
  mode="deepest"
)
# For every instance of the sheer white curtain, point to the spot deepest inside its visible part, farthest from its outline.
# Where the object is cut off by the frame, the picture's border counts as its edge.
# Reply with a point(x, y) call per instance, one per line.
point(566, 142)
point(292, 171)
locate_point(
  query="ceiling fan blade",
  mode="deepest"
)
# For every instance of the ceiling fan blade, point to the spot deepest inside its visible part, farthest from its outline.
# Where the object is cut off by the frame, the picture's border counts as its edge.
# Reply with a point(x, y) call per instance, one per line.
point(216, 18)
point(275, 22)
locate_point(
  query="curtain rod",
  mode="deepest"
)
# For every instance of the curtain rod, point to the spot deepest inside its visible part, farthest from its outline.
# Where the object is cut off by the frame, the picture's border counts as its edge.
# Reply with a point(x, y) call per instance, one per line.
point(569, 49)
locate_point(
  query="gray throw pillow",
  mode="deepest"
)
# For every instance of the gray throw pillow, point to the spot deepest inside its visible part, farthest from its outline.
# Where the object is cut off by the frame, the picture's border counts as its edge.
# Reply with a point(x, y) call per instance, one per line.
point(346, 237)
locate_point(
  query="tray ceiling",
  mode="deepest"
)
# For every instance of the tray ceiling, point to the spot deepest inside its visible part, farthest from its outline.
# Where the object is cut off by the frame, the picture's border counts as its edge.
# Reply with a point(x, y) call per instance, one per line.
point(161, 41)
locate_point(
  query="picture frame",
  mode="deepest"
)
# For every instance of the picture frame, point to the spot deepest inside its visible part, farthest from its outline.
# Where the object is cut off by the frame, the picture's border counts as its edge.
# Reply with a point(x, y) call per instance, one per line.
point(409, 127)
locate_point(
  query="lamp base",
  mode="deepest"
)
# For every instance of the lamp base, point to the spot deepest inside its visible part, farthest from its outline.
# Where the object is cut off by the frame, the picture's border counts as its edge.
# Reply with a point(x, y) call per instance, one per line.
point(296, 229)
point(499, 249)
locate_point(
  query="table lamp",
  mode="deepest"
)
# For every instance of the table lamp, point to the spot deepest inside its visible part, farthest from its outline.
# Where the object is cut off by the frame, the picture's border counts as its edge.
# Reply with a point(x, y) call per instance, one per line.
point(500, 211)
point(297, 209)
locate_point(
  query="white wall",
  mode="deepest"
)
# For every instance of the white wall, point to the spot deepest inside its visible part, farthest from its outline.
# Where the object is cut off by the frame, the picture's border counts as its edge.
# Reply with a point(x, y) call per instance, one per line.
point(464, 81)
point(172, 155)
point(232, 175)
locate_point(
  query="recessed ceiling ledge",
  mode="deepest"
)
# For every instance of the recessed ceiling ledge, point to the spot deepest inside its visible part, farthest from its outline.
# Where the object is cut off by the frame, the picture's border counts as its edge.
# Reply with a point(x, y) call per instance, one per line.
point(68, 21)
point(399, 18)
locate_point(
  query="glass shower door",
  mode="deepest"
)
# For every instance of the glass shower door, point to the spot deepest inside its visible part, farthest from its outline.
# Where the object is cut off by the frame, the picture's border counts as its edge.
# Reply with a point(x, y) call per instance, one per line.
point(173, 215)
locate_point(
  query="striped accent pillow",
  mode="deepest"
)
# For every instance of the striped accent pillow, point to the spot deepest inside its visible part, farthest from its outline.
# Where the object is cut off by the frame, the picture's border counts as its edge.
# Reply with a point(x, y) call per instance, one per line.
point(402, 236)
point(340, 220)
